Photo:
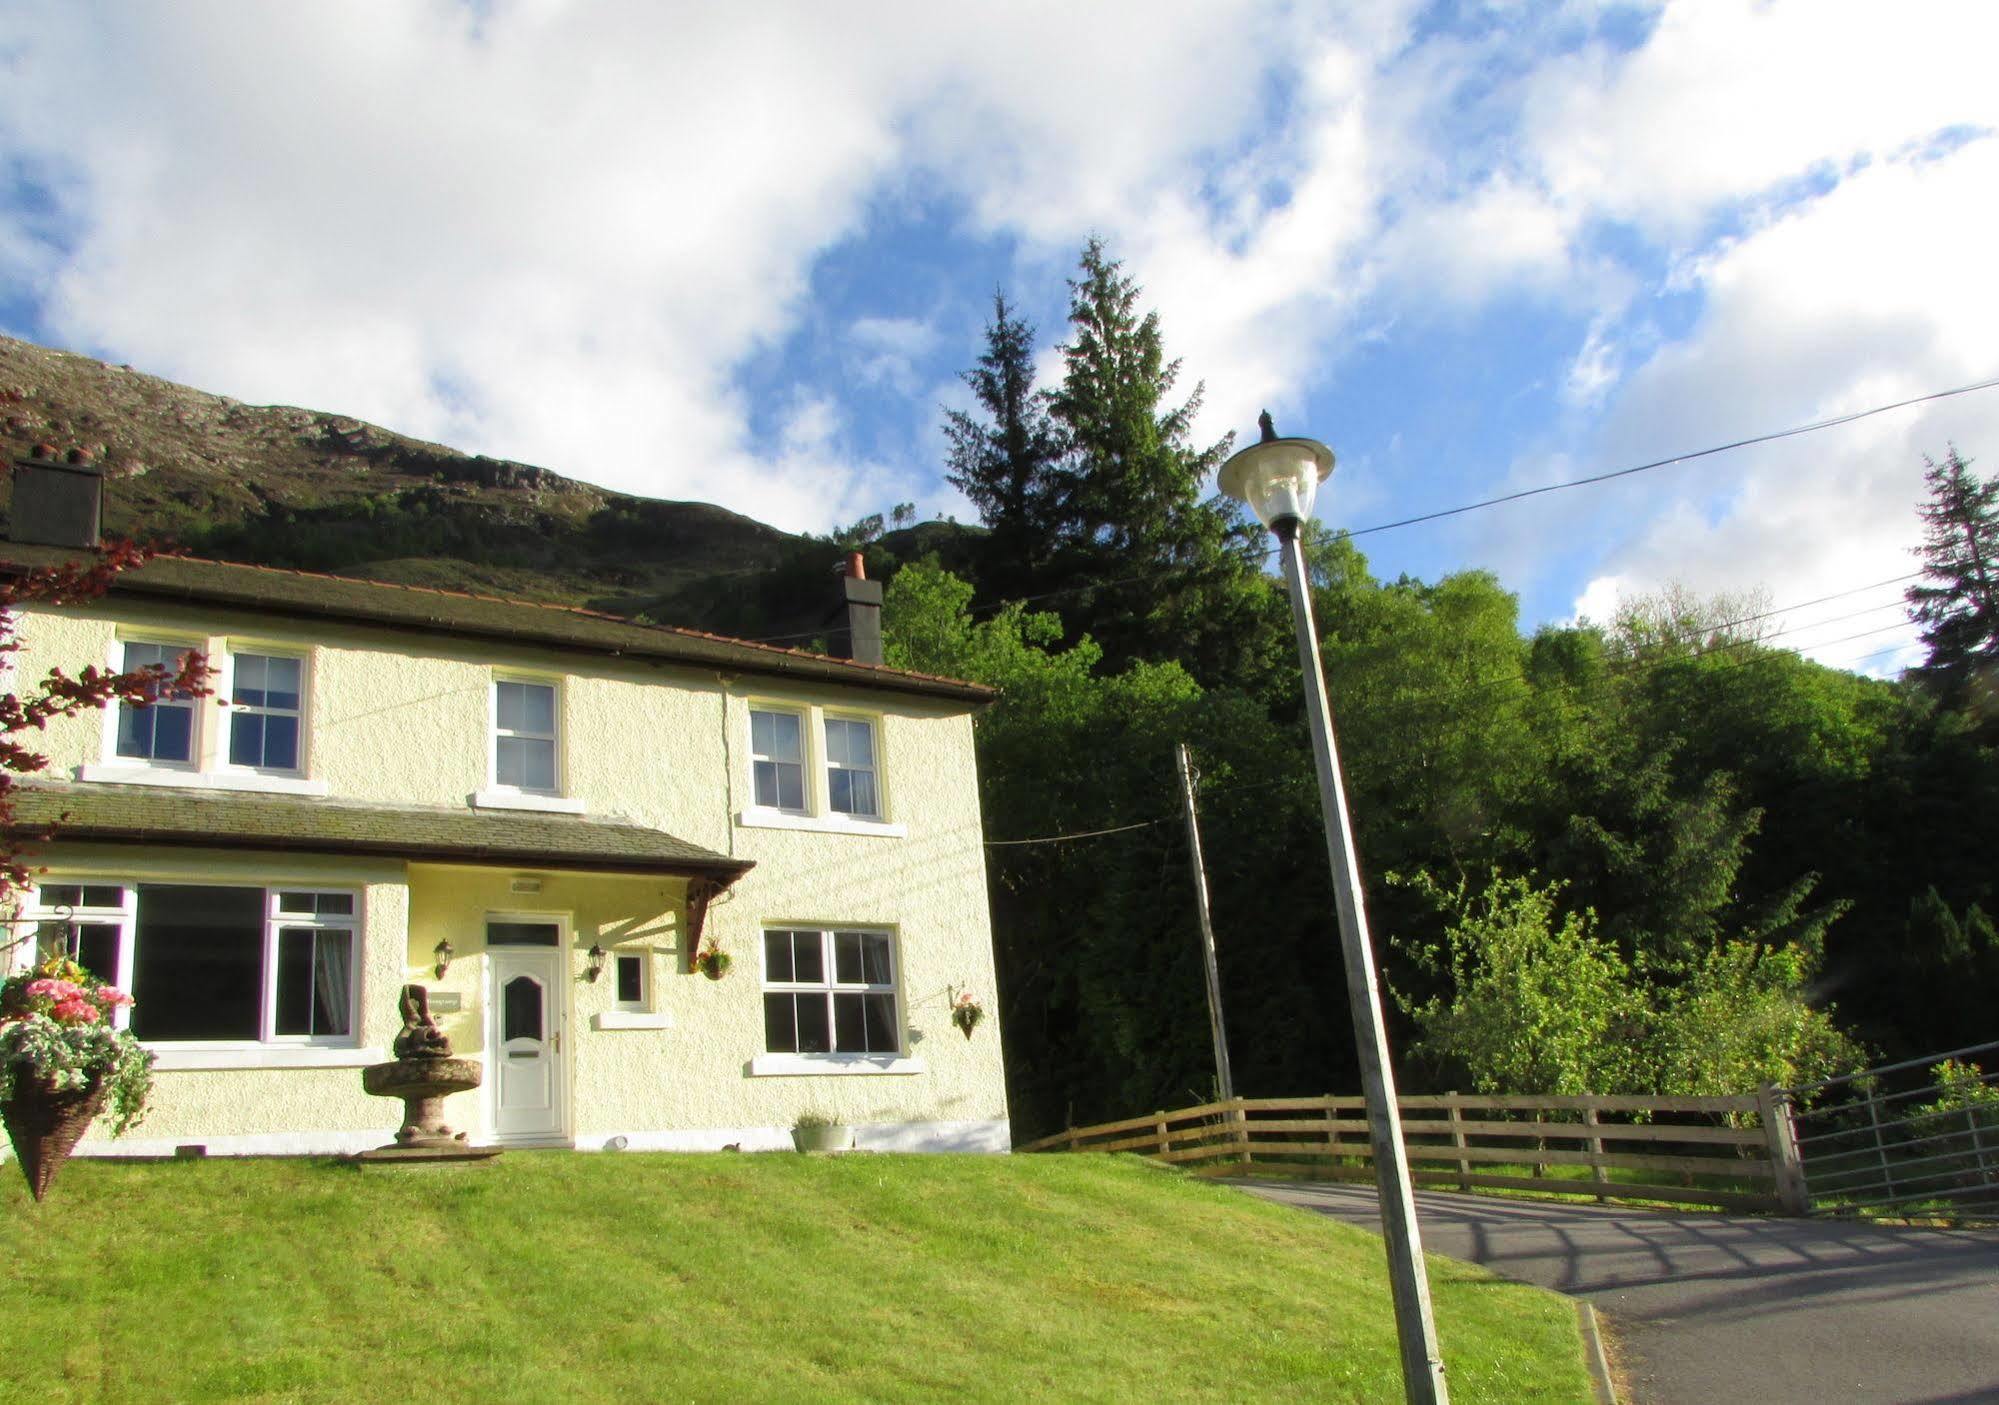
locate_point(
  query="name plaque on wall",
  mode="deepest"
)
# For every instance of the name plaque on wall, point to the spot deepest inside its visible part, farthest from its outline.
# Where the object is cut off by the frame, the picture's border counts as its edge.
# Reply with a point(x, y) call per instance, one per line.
point(446, 1002)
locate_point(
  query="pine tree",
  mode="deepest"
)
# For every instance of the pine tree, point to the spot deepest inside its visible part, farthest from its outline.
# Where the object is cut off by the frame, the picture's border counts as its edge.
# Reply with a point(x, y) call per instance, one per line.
point(1179, 575)
point(1957, 603)
point(1009, 465)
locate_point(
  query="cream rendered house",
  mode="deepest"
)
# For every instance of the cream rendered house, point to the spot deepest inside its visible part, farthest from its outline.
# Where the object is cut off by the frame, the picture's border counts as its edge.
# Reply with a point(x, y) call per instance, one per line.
point(554, 807)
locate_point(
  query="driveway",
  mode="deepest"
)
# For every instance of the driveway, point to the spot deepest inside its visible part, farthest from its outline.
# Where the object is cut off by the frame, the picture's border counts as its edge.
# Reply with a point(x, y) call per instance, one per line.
point(1710, 1309)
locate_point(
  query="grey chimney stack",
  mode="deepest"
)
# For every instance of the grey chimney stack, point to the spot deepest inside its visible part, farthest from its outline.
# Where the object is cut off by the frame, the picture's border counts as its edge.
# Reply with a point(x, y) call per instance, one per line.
point(861, 641)
point(57, 502)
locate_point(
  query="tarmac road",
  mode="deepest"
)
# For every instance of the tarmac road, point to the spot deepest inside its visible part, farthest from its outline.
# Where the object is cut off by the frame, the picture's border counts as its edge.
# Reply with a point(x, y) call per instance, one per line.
point(1710, 1309)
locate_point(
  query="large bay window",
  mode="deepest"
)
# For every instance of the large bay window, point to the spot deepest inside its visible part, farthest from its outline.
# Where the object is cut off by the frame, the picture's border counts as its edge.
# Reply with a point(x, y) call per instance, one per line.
point(830, 992)
point(214, 964)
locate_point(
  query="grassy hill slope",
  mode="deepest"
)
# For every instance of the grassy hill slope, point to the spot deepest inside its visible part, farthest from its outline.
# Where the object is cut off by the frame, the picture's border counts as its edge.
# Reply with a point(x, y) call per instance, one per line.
point(560, 1277)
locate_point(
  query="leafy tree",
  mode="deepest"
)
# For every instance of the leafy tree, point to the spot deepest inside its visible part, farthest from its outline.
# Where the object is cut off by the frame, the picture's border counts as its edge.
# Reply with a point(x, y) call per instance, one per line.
point(1957, 602)
point(1537, 1003)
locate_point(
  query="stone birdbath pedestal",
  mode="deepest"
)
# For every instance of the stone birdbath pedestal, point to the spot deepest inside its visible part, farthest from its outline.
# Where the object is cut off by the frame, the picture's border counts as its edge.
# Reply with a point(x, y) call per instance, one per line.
point(423, 1074)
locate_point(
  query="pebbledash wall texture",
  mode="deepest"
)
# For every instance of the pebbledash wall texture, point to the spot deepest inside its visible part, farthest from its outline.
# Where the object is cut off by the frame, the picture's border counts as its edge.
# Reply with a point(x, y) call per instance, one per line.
point(851, 901)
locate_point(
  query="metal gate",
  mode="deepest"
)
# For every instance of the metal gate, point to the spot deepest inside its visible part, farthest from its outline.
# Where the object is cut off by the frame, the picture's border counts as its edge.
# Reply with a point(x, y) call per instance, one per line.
point(1916, 1139)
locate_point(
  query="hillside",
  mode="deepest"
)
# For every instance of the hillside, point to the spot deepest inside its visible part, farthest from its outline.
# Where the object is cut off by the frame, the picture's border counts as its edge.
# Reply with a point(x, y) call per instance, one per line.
point(552, 1276)
point(277, 485)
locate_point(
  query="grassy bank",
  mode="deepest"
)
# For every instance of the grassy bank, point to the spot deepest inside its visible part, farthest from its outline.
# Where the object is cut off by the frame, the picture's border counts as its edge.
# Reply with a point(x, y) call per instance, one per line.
point(561, 1277)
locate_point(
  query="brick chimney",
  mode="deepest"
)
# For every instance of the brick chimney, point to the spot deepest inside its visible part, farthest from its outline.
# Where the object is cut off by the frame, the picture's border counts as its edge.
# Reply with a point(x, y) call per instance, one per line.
point(58, 501)
point(861, 640)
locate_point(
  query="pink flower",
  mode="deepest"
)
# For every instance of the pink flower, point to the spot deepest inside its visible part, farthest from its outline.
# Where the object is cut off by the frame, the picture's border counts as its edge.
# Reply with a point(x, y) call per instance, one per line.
point(75, 1011)
point(49, 988)
point(111, 995)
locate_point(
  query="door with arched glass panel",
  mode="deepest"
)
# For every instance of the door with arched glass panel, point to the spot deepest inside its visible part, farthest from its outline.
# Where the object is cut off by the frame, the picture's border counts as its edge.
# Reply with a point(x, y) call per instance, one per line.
point(525, 1015)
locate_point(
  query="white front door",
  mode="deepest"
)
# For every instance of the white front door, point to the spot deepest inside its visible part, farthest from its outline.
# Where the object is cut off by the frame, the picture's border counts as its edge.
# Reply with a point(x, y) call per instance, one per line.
point(525, 1015)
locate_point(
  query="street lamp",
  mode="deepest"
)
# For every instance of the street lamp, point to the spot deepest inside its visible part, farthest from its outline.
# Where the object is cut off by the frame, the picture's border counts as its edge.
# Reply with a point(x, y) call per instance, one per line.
point(1278, 478)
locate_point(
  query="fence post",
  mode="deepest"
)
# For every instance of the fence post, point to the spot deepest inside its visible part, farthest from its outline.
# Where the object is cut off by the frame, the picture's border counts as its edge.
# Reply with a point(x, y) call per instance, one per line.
point(1458, 1139)
point(1540, 1142)
point(1595, 1145)
point(1239, 1116)
point(1773, 1108)
point(1880, 1144)
point(1332, 1131)
point(1159, 1131)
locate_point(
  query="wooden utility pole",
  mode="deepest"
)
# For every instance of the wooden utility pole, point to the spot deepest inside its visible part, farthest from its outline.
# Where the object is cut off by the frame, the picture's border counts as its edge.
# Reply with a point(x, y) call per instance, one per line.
point(1224, 1080)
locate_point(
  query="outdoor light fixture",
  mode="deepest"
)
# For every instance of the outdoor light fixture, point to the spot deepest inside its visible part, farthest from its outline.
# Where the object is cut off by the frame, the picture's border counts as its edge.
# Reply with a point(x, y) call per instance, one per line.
point(1279, 478)
point(443, 952)
point(596, 966)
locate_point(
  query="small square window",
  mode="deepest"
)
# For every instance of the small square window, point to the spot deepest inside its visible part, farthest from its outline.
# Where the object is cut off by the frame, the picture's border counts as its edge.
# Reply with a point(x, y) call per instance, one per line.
point(631, 976)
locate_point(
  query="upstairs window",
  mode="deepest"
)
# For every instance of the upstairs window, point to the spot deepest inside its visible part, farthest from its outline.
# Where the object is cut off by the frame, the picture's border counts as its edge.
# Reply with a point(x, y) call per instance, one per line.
point(777, 749)
point(524, 736)
point(162, 730)
point(266, 692)
point(850, 768)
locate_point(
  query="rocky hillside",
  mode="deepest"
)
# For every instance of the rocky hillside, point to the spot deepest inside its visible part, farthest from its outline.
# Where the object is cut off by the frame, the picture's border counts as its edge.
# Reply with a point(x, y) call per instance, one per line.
point(281, 486)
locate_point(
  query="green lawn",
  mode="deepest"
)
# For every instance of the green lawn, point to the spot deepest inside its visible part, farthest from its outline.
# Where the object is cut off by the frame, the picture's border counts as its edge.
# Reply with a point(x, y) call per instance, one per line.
point(550, 1276)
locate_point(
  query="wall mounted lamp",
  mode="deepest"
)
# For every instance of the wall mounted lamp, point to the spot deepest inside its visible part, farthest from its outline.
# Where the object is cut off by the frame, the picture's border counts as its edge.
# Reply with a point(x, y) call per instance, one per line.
point(443, 952)
point(596, 966)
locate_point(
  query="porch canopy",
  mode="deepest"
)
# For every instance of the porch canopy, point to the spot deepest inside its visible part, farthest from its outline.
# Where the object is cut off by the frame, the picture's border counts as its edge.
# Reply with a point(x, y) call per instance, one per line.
point(219, 819)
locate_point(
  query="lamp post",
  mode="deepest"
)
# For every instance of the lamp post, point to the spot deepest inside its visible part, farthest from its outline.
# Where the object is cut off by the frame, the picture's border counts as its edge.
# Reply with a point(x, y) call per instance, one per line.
point(1278, 478)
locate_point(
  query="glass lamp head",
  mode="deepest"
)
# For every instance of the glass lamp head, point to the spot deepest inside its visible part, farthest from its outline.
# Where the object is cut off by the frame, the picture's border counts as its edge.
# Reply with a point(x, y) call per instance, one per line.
point(1278, 478)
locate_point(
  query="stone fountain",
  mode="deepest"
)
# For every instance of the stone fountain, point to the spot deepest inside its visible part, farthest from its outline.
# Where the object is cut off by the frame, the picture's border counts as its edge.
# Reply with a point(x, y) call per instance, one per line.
point(423, 1074)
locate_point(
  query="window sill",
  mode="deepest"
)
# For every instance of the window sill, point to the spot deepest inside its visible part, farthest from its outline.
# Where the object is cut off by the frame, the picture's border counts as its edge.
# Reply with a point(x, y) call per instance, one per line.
point(200, 780)
point(784, 1065)
point(522, 800)
point(169, 1058)
point(631, 1019)
point(754, 818)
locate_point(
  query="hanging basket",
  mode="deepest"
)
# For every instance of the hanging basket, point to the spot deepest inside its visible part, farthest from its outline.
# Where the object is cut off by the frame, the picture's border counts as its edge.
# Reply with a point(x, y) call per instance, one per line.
point(45, 1125)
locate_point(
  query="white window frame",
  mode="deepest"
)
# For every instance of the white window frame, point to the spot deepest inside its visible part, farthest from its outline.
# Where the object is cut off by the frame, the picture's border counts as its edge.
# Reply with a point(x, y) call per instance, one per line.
point(873, 724)
point(268, 1041)
point(803, 716)
point(38, 912)
point(818, 816)
point(641, 959)
point(225, 690)
point(198, 732)
point(509, 797)
point(893, 1061)
point(209, 769)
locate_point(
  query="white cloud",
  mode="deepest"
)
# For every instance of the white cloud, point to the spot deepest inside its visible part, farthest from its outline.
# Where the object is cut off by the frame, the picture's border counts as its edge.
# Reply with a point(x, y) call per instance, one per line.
point(1876, 292)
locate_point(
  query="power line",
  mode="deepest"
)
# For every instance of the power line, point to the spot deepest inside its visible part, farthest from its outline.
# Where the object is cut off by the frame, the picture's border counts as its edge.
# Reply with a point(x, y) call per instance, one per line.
point(1793, 431)
point(1733, 444)
point(1065, 838)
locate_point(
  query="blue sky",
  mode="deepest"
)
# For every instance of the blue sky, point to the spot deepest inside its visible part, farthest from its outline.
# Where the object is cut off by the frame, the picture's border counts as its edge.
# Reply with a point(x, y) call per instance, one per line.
point(741, 255)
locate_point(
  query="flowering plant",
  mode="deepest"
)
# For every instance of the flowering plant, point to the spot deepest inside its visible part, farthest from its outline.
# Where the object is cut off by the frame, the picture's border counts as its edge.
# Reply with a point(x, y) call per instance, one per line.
point(712, 962)
point(966, 1013)
point(56, 1032)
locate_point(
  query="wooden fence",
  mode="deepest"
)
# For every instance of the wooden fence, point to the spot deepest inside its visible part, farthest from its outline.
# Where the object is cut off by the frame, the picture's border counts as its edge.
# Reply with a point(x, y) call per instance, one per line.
point(1735, 1153)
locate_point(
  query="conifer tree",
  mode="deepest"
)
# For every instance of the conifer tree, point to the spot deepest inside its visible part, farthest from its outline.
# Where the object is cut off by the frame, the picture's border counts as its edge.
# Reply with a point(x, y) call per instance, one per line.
point(1179, 574)
point(1009, 465)
point(1957, 602)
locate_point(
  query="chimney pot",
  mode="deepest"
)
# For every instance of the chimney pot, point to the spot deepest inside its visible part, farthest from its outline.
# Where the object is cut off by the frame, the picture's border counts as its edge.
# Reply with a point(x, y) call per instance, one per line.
point(76, 456)
point(43, 451)
point(857, 565)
